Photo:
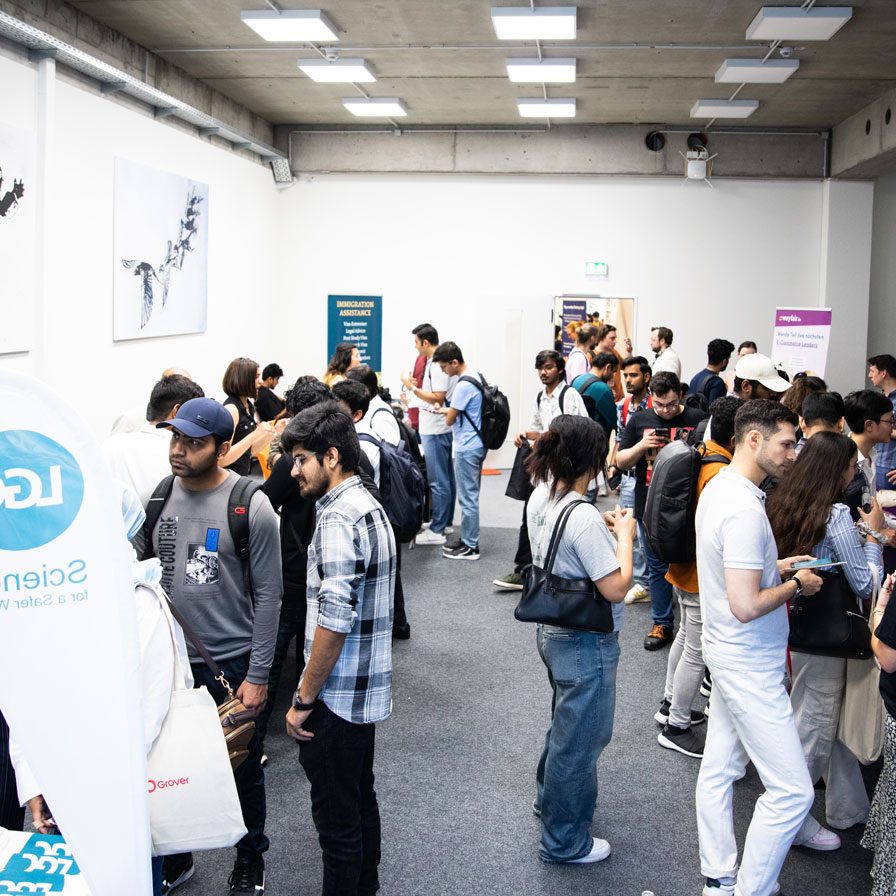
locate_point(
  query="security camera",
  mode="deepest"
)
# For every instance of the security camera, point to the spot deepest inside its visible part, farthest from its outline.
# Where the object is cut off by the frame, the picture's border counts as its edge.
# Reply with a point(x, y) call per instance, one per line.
point(785, 52)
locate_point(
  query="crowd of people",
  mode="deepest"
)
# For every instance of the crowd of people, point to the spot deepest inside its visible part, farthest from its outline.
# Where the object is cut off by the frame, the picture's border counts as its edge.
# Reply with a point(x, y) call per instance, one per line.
point(269, 519)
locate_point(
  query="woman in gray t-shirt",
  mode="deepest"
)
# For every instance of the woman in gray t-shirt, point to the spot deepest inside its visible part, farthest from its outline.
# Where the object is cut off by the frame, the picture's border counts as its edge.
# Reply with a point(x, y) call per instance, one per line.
point(581, 664)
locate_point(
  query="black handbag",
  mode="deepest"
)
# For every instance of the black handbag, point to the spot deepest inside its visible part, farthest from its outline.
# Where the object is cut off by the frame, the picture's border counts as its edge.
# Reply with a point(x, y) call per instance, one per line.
point(553, 600)
point(519, 486)
point(829, 623)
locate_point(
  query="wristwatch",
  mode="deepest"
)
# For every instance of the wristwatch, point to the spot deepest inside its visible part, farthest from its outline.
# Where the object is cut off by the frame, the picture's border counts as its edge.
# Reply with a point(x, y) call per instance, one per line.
point(301, 707)
point(799, 588)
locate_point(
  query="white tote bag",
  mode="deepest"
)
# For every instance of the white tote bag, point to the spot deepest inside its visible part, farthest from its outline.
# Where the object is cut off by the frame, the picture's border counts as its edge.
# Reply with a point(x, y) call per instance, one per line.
point(193, 803)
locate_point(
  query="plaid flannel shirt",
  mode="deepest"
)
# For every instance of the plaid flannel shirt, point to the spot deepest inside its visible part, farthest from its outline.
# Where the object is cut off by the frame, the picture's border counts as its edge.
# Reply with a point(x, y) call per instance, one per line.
point(351, 588)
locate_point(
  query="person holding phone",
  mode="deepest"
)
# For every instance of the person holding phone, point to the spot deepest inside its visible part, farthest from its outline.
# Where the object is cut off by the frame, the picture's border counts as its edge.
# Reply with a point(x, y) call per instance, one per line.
point(880, 833)
point(581, 665)
point(808, 516)
point(646, 433)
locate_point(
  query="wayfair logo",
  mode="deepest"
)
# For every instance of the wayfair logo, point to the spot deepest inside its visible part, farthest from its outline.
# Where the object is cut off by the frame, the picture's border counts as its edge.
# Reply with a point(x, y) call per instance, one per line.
point(41, 490)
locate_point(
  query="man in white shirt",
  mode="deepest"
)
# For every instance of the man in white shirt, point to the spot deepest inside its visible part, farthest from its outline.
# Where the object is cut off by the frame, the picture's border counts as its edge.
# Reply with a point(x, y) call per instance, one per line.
point(666, 357)
point(435, 435)
point(745, 631)
point(140, 458)
point(555, 398)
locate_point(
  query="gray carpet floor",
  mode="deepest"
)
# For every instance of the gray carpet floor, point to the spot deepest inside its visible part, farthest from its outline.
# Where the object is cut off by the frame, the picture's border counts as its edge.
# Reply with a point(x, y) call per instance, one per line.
point(455, 765)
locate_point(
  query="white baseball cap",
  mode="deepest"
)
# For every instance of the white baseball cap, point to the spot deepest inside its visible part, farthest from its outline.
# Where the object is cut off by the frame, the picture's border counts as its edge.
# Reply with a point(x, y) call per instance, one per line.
point(760, 369)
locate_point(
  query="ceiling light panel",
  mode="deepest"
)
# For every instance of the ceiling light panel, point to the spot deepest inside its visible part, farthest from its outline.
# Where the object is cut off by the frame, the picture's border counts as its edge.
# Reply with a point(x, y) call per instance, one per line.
point(379, 107)
point(755, 71)
point(292, 25)
point(339, 71)
point(794, 23)
point(541, 71)
point(724, 108)
point(553, 108)
point(541, 23)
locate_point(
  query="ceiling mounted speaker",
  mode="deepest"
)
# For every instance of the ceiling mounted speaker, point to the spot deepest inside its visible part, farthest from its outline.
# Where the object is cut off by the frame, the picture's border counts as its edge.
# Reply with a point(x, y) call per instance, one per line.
point(655, 141)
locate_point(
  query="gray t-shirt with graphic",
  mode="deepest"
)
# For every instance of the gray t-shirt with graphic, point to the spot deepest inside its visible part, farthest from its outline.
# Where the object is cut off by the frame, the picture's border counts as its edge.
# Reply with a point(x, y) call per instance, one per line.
point(204, 577)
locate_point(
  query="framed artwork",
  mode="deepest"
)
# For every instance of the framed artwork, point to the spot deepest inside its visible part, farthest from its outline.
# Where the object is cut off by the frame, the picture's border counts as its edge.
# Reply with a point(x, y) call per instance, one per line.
point(18, 217)
point(160, 285)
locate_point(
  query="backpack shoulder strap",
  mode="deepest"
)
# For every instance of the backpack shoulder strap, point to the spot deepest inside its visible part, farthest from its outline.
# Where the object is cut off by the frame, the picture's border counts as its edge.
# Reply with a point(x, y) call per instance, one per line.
point(481, 387)
point(563, 389)
point(154, 508)
point(238, 523)
point(588, 382)
point(714, 459)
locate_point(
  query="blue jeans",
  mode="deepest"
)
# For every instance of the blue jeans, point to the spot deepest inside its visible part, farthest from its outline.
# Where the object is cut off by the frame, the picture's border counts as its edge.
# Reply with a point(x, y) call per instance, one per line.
point(660, 587)
point(440, 474)
point(468, 472)
point(582, 672)
point(627, 499)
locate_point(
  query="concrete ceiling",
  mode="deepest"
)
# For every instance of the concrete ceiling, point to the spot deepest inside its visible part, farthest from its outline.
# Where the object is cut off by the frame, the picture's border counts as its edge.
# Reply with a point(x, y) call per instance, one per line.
point(638, 60)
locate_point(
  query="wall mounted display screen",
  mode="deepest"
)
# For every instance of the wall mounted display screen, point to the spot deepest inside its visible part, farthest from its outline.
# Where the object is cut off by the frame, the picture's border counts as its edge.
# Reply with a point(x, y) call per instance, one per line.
point(160, 285)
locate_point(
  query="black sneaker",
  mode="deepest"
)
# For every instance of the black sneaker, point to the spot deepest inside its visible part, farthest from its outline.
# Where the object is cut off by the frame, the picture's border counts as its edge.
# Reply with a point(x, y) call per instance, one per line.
point(247, 876)
point(662, 715)
point(706, 684)
point(461, 553)
point(682, 740)
point(660, 636)
point(176, 870)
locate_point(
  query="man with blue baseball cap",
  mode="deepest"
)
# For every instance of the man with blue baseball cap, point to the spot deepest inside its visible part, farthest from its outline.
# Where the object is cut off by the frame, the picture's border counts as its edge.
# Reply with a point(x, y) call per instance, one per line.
point(193, 520)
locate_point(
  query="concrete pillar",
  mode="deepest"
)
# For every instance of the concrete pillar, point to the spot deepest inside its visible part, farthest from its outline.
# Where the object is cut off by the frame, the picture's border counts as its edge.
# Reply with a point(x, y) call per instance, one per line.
point(845, 277)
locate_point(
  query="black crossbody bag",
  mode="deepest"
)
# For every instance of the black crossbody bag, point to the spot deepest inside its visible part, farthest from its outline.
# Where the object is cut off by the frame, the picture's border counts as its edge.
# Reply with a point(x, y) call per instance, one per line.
point(553, 600)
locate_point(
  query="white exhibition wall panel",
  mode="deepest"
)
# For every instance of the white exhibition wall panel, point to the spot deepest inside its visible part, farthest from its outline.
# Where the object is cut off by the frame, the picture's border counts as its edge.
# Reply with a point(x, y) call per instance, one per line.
point(465, 253)
point(882, 310)
point(77, 353)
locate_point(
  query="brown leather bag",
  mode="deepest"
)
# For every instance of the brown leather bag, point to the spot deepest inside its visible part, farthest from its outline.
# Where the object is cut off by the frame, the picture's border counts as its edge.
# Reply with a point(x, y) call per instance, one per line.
point(237, 722)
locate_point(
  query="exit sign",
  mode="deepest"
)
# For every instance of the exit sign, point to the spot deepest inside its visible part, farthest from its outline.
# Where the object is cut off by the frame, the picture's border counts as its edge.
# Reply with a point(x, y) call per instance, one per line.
point(597, 270)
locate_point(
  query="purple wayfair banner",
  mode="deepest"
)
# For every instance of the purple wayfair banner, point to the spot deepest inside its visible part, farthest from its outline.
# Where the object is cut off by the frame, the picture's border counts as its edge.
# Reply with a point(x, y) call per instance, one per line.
point(800, 339)
point(572, 311)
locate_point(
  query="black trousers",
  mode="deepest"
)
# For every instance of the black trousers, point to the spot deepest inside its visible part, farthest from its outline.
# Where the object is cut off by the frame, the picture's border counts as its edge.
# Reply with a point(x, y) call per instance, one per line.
point(523, 549)
point(12, 815)
point(400, 616)
point(338, 763)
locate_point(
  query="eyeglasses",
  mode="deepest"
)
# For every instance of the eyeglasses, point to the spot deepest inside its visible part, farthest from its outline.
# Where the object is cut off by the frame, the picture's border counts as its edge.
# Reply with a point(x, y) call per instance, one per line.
point(299, 459)
point(669, 406)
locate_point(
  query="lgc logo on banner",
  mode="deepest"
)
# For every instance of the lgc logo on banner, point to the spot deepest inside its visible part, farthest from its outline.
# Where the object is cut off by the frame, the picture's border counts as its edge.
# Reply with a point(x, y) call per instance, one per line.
point(41, 489)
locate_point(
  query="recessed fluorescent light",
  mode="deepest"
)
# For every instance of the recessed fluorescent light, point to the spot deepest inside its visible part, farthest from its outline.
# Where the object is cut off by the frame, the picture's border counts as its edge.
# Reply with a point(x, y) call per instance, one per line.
point(339, 71)
point(794, 23)
point(724, 108)
point(541, 71)
point(547, 108)
point(755, 71)
point(291, 25)
point(541, 23)
point(380, 107)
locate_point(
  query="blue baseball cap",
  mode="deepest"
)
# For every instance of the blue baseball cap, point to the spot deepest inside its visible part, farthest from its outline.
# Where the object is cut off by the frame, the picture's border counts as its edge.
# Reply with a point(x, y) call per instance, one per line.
point(201, 417)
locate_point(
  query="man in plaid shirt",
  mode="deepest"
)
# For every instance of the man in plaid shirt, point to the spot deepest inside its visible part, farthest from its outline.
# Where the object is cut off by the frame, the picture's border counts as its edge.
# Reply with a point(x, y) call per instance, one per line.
point(347, 683)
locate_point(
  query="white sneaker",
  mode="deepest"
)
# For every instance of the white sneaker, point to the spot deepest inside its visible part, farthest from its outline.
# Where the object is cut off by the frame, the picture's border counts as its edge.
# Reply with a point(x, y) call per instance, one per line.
point(822, 840)
point(717, 889)
point(427, 536)
point(449, 530)
point(637, 594)
point(600, 849)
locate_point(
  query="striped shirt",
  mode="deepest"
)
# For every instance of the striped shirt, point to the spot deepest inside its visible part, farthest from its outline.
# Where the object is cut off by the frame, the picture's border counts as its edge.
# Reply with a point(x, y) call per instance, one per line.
point(842, 543)
point(351, 587)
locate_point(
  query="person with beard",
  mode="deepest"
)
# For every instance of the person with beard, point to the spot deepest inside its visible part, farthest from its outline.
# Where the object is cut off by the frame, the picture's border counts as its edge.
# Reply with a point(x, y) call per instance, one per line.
point(346, 686)
point(745, 629)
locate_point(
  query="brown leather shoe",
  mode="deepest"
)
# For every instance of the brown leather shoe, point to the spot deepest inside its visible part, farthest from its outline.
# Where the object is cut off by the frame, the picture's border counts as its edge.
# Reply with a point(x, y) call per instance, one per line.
point(659, 637)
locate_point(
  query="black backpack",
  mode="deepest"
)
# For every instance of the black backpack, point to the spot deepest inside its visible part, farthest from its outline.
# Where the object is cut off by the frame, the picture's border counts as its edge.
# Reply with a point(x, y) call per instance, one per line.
point(495, 413)
point(590, 406)
point(672, 499)
point(237, 520)
point(402, 487)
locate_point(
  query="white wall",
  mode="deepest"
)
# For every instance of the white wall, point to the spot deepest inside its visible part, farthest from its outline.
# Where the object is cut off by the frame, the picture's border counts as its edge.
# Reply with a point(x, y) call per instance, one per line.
point(74, 350)
point(478, 257)
point(882, 311)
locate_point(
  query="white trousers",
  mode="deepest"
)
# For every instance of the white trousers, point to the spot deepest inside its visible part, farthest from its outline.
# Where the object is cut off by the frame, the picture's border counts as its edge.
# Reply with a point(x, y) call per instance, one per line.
point(751, 720)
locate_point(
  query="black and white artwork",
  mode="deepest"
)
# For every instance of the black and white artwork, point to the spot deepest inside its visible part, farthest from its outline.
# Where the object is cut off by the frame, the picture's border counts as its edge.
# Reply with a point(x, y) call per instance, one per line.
point(17, 238)
point(161, 253)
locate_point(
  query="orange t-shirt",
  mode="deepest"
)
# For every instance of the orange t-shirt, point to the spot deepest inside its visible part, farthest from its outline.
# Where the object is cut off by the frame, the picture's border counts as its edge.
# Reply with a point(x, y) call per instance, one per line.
point(684, 575)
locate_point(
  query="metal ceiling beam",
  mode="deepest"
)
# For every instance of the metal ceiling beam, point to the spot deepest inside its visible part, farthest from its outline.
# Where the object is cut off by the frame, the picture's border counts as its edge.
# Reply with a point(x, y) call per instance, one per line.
point(42, 45)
